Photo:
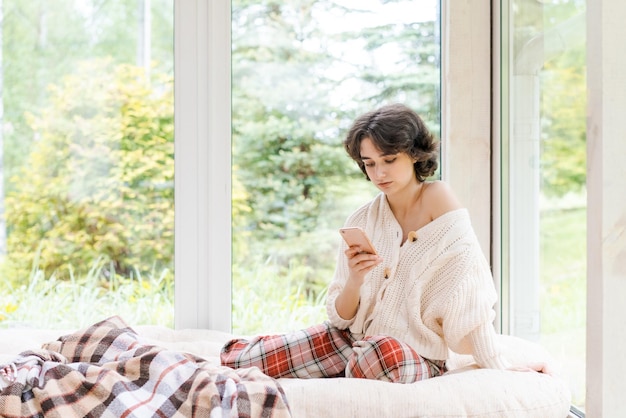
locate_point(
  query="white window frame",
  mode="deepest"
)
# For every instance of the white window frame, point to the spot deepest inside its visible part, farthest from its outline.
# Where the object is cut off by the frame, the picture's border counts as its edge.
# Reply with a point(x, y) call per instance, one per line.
point(202, 126)
point(203, 140)
point(469, 140)
point(606, 208)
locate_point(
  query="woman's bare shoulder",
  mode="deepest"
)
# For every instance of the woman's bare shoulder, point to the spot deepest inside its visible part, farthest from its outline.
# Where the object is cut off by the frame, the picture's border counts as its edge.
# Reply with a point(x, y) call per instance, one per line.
point(440, 198)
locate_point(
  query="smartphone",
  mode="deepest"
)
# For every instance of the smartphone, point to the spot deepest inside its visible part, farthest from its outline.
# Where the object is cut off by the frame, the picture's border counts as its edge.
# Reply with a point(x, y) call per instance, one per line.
point(356, 236)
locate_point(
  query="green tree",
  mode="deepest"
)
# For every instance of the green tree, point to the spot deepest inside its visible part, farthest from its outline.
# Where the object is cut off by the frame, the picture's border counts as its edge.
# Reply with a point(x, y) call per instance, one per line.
point(563, 101)
point(294, 95)
point(43, 40)
point(286, 148)
point(99, 181)
point(414, 78)
point(564, 137)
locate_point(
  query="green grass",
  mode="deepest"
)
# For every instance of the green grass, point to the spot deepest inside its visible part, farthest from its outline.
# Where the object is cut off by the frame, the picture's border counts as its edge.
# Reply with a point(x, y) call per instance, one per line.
point(563, 271)
point(273, 296)
point(51, 303)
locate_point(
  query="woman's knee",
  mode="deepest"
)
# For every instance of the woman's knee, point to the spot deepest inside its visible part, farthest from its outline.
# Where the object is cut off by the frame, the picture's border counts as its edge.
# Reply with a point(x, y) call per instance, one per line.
point(387, 359)
point(318, 351)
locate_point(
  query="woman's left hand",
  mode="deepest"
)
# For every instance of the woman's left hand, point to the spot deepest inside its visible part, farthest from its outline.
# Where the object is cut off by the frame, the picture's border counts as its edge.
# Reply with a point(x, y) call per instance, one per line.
point(533, 367)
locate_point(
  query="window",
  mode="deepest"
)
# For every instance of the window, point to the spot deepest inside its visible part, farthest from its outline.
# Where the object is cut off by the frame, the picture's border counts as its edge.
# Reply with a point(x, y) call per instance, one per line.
point(301, 71)
point(543, 178)
point(87, 135)
point(203, 149)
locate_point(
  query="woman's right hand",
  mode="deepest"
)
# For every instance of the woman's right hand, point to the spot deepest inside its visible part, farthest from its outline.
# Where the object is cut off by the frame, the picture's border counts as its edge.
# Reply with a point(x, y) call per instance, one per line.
point(360, 264)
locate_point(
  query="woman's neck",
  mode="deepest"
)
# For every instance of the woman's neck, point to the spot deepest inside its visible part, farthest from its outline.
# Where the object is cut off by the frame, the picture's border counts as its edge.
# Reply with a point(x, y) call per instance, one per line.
point(403, 204)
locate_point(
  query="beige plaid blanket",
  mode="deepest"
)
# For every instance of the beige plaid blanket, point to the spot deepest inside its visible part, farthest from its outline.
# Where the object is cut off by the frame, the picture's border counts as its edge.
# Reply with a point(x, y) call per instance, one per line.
point(107, 371)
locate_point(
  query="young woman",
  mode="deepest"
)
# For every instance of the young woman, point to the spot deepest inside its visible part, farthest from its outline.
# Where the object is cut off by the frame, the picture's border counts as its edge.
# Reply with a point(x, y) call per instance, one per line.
point(394, 316)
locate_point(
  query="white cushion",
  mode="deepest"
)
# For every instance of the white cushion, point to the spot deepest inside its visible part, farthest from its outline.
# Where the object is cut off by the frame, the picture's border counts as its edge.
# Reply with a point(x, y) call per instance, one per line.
point(465, 391)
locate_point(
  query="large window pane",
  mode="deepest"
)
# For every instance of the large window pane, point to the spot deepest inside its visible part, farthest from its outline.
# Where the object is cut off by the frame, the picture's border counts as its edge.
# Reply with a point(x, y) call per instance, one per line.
point(87, 142)
point(545, 166)
point(302, 70)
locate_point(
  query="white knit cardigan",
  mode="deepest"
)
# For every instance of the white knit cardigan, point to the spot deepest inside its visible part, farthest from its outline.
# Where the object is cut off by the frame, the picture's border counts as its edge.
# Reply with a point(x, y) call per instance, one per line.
point(438, 294)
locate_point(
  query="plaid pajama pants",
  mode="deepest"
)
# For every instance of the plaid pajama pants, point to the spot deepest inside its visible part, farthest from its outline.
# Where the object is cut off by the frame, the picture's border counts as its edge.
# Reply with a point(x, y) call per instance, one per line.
point(326, 351)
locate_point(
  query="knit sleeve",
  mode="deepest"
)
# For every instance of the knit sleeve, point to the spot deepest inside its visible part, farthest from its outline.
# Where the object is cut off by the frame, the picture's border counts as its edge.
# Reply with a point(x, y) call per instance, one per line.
point(335, 288)
point(486, 351)
point(468, 318)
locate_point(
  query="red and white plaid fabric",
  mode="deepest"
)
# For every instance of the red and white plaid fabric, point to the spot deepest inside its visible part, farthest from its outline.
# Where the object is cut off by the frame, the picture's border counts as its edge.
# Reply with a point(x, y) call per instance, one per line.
point(326, 351)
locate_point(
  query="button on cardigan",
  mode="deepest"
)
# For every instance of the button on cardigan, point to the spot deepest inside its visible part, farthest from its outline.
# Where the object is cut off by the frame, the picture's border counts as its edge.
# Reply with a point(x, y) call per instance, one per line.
point(438, 294)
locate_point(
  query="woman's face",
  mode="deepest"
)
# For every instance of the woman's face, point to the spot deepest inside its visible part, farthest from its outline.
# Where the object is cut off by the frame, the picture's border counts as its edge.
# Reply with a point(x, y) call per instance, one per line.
point(390, 173)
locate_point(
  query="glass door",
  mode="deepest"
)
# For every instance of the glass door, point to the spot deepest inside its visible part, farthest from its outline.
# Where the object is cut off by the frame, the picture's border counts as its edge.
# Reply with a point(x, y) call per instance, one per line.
point(544, 174)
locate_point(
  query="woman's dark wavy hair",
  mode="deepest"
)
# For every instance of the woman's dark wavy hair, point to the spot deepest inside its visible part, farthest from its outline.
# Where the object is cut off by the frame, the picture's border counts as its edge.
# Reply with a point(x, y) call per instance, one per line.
point(393, 129)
